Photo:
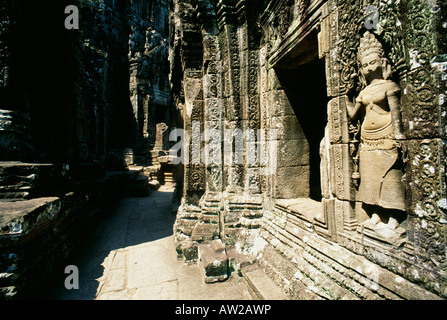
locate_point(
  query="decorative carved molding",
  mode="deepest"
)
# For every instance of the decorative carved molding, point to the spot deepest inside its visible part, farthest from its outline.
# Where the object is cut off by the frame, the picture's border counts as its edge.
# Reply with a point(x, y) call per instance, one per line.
point(427, 202)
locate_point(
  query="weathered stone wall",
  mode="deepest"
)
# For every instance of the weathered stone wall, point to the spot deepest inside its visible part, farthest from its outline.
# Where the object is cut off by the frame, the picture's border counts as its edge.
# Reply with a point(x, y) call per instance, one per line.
point(341, 28)
point(38, 236)
point(66, 110)
point(87, 85)
point(67, 92)
point(291, 67)
point(215, 61)
point(399, 25)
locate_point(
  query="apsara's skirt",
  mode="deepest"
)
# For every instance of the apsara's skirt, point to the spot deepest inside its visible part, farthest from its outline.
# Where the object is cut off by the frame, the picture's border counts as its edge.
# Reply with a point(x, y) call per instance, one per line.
point(380, 175)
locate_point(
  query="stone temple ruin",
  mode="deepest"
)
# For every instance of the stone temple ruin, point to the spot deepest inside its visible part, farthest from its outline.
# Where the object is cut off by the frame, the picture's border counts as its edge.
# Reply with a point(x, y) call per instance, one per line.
point(313, 141)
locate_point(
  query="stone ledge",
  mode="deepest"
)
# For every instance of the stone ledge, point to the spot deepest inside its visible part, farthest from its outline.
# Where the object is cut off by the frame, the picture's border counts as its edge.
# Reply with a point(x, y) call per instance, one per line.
point(10, 164)
point(347, 268)
point(366, 268)
point(237, 260)
point(21, 218)
point(21, 180)
point(262, 286)
point(305, 208)
point(37, 235)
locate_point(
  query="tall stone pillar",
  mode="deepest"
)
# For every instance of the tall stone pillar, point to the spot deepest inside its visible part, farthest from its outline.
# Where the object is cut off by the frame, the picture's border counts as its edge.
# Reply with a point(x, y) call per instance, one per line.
point(231, 67)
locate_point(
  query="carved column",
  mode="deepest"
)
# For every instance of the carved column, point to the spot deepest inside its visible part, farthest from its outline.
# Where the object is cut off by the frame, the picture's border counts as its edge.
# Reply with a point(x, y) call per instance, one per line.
point(252, 107)
point(187, 88)
point(191, 55)
point(214, 122)
point(424, 110)
point(232, 94)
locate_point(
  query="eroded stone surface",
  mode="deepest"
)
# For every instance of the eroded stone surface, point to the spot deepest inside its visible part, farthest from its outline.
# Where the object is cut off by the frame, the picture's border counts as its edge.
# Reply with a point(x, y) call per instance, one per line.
point(356, 185)
point(214, 261)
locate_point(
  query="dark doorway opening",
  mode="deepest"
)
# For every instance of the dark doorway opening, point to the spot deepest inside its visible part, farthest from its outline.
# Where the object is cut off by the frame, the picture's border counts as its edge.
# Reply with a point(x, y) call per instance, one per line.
point(305, 87)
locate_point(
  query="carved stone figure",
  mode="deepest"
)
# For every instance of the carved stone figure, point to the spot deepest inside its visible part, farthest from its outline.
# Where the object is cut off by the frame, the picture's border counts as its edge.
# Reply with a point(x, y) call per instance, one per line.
point(161, 138)
point(381, 188)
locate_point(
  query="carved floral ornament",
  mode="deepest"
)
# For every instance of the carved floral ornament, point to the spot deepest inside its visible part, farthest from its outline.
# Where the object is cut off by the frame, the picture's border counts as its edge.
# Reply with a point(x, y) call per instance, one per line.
point(282, 16)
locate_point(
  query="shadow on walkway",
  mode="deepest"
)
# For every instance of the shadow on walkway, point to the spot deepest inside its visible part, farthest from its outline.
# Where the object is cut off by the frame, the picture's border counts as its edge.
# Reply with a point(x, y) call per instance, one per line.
point(133, 222)
point(131, 256)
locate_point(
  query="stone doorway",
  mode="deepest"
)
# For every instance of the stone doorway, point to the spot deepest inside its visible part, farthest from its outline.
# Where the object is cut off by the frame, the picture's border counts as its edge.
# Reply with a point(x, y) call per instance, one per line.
point(304, 84)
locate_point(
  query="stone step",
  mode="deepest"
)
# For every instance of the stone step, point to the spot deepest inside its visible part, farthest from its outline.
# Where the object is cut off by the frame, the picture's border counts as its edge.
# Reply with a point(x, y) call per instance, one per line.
point(237, 260)
point(261, 285)
point(213, 261)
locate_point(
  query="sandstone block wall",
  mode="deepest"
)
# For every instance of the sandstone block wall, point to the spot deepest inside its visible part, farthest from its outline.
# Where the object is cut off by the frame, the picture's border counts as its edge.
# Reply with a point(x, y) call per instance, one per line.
point(292, 67)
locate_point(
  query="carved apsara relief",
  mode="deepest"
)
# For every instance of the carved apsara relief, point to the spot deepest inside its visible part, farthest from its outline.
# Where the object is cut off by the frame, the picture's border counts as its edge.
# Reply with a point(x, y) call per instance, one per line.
point(381, 186)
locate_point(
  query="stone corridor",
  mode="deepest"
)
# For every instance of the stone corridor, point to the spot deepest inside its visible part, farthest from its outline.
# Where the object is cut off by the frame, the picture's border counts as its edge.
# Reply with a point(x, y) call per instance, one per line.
point(131, 255)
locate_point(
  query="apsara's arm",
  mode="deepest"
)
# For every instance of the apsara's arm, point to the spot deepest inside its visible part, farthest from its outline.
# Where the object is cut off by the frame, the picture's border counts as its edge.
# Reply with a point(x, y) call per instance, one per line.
point(354, 109)
point(394, 104)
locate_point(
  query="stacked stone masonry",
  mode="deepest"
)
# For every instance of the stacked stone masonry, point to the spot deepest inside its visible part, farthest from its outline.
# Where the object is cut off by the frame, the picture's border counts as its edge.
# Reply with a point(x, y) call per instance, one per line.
point(296, 68)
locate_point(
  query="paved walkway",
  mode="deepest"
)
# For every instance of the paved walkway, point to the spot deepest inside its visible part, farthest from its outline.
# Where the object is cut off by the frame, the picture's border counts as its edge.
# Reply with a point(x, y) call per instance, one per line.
point(131, 256)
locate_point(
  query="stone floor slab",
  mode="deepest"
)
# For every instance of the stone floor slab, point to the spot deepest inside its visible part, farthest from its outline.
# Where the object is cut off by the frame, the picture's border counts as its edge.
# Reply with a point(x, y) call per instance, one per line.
point(131, 255)
point(163, 291)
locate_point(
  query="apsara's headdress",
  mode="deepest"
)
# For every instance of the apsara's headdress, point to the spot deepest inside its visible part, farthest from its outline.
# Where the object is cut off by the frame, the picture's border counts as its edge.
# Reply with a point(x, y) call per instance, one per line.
point(369, 44)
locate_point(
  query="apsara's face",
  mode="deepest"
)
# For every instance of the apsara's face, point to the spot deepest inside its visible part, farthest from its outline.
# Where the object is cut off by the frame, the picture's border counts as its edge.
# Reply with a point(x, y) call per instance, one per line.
point(372, 66)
